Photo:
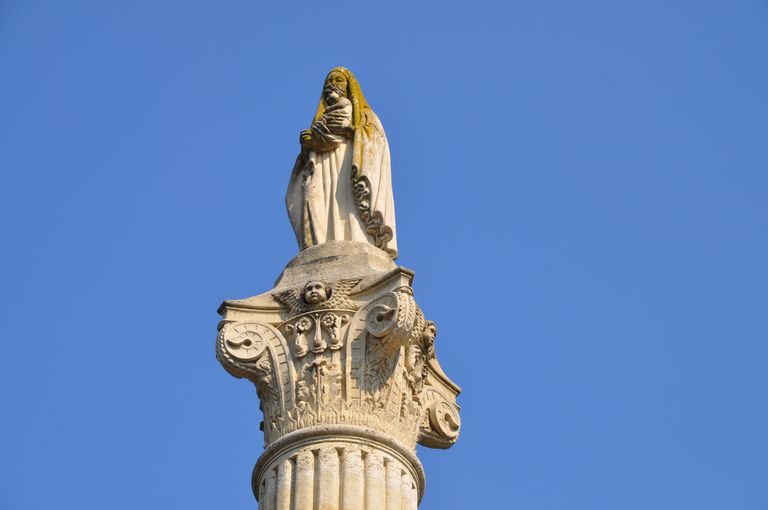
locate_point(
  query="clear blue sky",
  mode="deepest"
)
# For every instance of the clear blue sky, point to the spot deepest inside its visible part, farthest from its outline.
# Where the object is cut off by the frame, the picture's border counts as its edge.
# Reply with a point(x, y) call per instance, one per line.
point(581, 188)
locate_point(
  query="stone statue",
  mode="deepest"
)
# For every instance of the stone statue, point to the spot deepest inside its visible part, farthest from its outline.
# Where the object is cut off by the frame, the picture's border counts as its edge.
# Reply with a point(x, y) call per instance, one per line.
point(342, 357)
point(341, 186)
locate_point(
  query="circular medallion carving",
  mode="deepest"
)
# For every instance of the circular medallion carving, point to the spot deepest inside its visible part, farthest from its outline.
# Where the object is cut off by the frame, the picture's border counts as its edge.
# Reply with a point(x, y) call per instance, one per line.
point(382, 316)
point(445, 419)
point(244, 342)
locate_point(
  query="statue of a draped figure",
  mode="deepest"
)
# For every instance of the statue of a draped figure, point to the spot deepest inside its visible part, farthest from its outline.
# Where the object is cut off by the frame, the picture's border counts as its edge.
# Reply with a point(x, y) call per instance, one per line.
point(341, 185)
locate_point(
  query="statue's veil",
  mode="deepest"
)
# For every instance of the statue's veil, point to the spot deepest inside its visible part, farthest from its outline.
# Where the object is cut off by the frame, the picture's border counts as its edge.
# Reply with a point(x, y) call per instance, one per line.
point(371, 172)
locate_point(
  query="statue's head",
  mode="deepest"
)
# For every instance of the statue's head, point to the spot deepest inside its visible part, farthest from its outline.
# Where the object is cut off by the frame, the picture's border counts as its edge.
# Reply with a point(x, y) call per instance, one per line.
point(335, 86)
point(315, 292)
point(339, 83)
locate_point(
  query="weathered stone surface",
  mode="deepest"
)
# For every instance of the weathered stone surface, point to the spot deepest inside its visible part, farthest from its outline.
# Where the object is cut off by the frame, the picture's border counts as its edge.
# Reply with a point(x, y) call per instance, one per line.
point(341, 186)
point(335, 260)
point(352, 350)
point(341, 355)
point(353, 468)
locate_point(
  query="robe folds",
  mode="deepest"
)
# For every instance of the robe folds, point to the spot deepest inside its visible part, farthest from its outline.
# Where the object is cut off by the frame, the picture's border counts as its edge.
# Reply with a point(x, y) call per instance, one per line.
point(345, 193)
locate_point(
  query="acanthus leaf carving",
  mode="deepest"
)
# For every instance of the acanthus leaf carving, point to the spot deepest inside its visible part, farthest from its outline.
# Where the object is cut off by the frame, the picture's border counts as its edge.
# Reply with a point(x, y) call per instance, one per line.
point(370, 365)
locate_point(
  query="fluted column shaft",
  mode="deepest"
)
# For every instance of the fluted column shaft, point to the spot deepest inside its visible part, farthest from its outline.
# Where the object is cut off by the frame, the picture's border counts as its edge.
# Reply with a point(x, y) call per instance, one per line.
point(337, 474)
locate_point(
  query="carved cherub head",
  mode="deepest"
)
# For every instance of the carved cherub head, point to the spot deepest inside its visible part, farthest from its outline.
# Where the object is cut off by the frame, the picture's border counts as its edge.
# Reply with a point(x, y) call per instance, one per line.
point(428, 338)
point(315, 292)
point(335, 87)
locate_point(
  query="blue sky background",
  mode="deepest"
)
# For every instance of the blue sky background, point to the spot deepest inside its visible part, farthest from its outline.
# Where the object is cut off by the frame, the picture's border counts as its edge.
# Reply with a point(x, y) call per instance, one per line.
point(581, 188)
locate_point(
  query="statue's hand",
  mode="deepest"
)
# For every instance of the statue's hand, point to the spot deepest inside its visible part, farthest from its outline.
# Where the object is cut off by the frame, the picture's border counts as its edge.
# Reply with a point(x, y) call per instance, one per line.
point(305, 139)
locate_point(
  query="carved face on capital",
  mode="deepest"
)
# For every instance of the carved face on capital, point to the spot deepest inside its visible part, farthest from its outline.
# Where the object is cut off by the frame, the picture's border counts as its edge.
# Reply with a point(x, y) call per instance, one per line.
point(428, 338)
point(315, 292)
point(430, 332)
point(335, 87)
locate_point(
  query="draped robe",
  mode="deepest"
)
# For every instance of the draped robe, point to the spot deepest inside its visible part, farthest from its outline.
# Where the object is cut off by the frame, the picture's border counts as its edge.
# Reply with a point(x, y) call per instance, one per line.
point(342, 191)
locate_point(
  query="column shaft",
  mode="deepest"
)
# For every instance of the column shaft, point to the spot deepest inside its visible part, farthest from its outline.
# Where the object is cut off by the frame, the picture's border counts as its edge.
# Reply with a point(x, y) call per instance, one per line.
point(304, 491)
point(330, 488)
point(284, 485)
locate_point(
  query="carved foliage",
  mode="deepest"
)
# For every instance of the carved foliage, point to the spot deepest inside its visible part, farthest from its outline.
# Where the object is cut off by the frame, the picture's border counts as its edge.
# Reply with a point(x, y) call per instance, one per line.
point(316, 331)
point(373, 367)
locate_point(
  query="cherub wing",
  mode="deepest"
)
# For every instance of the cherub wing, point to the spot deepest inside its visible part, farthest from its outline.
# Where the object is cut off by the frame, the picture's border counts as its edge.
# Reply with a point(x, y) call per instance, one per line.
point(291, 298)
point(340, 293)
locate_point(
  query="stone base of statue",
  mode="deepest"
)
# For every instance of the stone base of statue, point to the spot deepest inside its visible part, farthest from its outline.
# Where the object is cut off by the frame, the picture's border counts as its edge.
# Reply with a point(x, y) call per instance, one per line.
point(344, 364)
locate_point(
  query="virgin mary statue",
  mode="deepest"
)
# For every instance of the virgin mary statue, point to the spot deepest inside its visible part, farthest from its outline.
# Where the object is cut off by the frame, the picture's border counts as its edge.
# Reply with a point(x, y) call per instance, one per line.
point(341, 185)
